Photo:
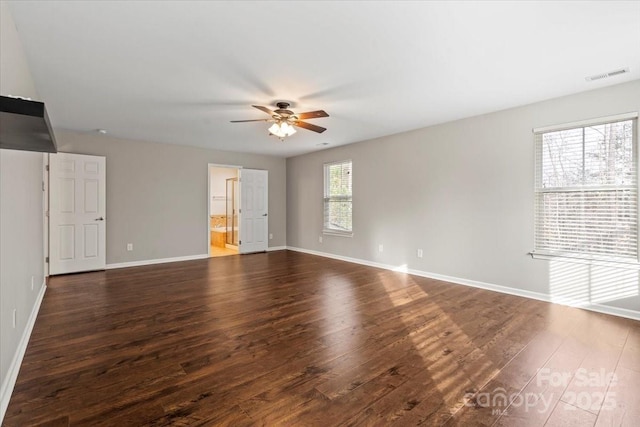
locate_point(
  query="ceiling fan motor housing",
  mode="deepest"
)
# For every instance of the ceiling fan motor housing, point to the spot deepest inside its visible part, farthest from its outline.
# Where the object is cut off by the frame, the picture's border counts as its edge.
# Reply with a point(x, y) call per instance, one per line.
point(283, 110)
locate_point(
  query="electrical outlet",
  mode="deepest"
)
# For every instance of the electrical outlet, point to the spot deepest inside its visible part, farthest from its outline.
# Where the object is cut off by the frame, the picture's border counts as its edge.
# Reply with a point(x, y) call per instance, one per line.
point(270, 236)
point(129, 246)
point(419, 253)
point(319, 239)
point(15, 316)
point(380, 247)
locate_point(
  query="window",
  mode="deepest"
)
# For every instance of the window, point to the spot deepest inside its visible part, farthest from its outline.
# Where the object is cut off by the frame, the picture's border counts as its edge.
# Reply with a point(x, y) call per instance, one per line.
point(586, 190)
point(338, 201)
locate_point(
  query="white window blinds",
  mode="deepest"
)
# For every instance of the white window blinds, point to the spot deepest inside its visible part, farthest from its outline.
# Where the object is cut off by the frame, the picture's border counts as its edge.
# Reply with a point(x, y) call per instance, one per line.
point(338, 197)
point(586, 191)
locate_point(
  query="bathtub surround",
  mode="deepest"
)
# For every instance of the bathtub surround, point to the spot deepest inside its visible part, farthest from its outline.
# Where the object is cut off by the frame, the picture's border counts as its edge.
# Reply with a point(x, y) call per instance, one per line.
point(218, 221)
point(462, 193)
point(218, 230)
point(218, 236)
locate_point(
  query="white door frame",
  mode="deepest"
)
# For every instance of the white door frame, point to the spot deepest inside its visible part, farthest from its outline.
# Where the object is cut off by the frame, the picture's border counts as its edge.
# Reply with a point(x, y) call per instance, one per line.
point(209, 167)
point(78, 215)
point(45, 212)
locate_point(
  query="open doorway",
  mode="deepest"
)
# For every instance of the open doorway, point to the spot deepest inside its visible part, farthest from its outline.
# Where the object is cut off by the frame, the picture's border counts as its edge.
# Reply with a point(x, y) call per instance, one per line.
point(224, 207)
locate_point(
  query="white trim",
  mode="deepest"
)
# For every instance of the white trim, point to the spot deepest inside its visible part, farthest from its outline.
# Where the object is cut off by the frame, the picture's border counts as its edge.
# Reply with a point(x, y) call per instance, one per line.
point(577, 259)
point(614, 311)
point(218, 165)
point(587, 122)
point(45, 213)
point(155, 261)
point(342, 258)
point(12, 374)
point(585, 188)
point(337, 162)
point(209, 209)
point(176, 259)
point(337, 233)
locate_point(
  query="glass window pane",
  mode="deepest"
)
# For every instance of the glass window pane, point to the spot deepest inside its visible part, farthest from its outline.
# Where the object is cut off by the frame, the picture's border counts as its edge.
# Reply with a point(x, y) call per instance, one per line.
point(609, 154)
point(338, 203)
point(562, 158)
point(586, 191)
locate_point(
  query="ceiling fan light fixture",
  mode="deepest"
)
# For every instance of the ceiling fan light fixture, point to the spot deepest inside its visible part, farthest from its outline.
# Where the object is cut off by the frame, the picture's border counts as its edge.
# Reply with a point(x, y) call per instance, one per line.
point(281, 130)
point(287, 129)
point(284, 120)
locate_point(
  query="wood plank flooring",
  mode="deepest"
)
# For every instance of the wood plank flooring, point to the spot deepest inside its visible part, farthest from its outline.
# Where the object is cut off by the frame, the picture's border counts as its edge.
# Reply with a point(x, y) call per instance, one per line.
point(284, 338)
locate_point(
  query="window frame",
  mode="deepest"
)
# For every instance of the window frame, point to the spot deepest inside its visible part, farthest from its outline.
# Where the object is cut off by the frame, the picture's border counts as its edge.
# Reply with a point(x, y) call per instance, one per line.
point(327, 198)
point(538, 165)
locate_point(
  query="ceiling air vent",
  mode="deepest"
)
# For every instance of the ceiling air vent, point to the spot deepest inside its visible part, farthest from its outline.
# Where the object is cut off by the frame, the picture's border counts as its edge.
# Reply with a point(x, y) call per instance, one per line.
point(606, 75)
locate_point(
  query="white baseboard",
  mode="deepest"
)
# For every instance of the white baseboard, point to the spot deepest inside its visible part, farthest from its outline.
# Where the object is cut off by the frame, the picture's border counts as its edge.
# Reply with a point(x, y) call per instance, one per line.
point(176, 259)
point(12, 374)
point(344, 258)
point(600, 308)
point(154, 261)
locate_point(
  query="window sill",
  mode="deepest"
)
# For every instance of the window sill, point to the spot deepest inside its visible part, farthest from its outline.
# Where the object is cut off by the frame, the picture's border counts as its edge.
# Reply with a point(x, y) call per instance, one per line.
point(617, 263)
point(337, 233)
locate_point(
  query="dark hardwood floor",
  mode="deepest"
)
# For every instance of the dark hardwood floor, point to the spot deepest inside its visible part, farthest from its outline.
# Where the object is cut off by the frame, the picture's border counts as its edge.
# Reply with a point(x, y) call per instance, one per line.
point(285, 338)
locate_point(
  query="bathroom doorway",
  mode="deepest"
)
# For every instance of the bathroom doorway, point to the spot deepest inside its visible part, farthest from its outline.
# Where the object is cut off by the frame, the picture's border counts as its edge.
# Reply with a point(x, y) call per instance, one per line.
point(223, 210)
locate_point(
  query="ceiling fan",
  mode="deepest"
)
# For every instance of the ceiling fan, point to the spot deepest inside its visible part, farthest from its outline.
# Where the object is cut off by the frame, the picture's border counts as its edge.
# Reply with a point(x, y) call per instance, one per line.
point(284, 120)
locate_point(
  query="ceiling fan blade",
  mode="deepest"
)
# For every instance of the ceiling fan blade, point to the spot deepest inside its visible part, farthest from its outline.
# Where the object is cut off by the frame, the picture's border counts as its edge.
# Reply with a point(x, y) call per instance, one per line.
point(265, 109)
point(312, 115)
point(309, 126)
point(243, 121)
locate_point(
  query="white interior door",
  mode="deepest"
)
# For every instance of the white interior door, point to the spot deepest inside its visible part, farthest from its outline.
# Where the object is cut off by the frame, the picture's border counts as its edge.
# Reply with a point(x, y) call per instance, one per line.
point(254, 210)
point(77, 213)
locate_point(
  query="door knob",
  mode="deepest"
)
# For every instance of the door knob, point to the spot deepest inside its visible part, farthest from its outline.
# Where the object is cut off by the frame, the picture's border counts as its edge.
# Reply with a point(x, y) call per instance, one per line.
point(99, 219)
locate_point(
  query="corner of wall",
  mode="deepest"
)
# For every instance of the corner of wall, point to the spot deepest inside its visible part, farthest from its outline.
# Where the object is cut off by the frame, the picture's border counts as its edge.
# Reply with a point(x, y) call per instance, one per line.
point(21, 220)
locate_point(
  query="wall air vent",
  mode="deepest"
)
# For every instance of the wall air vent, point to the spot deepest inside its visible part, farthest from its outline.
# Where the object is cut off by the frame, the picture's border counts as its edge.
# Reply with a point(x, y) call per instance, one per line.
point(607, 75)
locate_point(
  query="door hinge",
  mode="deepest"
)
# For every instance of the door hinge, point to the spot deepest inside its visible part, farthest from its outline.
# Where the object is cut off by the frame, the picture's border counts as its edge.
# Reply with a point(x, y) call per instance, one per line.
point(46, 260)
point(239, 242)
point(46, 213)
point(239, 210)
point(46, 167)
point(42, 185)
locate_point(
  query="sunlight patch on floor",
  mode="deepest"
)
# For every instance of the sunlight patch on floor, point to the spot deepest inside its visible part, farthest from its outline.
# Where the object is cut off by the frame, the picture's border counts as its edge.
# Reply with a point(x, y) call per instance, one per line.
point(583, 284)
point(444, 370)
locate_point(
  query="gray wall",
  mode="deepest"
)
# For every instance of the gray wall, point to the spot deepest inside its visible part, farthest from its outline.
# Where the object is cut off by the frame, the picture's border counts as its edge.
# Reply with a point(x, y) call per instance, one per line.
point(21, 209)
point(157, 194)
point(462, 192)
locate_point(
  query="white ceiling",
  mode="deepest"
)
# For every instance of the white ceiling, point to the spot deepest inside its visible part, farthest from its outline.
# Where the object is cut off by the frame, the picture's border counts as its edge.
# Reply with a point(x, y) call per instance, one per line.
point(179, 71)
